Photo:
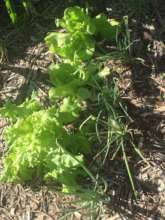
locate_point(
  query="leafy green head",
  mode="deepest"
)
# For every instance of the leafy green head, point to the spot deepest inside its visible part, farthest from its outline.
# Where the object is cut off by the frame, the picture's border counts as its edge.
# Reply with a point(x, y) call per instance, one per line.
point(77, 19)
point(75, 47)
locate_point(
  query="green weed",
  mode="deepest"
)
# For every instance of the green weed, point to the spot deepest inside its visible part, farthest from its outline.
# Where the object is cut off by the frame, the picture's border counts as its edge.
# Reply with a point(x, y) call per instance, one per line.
point(11, 8)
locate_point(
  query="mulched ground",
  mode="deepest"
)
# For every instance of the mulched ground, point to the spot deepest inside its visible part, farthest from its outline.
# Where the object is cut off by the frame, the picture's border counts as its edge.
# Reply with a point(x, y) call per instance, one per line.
point(23, 69)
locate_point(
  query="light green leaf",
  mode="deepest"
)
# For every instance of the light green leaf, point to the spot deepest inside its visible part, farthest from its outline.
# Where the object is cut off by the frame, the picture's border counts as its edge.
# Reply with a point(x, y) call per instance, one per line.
point(75, 47)
point(77, 19)
point(104, 72)
point(108, 29)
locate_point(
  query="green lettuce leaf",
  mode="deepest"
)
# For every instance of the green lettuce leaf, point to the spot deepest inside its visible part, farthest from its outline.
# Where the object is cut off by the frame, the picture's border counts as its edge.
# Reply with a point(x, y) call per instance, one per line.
point(13, 111)
point(68, 80)
point(76, 47)
point(108, 29)
point(70, 109)
point(77, 19)
point(40, 148)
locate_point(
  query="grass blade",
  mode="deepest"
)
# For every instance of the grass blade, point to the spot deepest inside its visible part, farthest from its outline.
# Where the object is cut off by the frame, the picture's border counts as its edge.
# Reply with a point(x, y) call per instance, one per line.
point(128, 170)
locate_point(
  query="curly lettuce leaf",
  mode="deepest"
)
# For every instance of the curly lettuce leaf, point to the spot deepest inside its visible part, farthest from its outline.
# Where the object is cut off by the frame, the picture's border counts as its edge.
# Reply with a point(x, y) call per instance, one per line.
point(68, 81)
point(70, 109)
point(76, 47)
point(40, 147)
point(77, 19)
point(62, 74)
point(13, 111)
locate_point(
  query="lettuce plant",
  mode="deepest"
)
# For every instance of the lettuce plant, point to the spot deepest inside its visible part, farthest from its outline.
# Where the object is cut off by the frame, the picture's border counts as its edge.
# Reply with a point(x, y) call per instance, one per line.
point(77, 19)
point(40, 146)
point(77, 43)
point(68, 80)
point(73, 47)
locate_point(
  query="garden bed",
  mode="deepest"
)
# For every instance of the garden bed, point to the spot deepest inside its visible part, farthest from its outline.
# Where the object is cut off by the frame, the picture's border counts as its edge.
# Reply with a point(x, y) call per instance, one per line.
point(23, 68)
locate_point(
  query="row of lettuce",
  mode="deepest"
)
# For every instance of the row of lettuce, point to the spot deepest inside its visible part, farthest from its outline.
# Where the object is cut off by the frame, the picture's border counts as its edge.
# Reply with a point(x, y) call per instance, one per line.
point(53, 143)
